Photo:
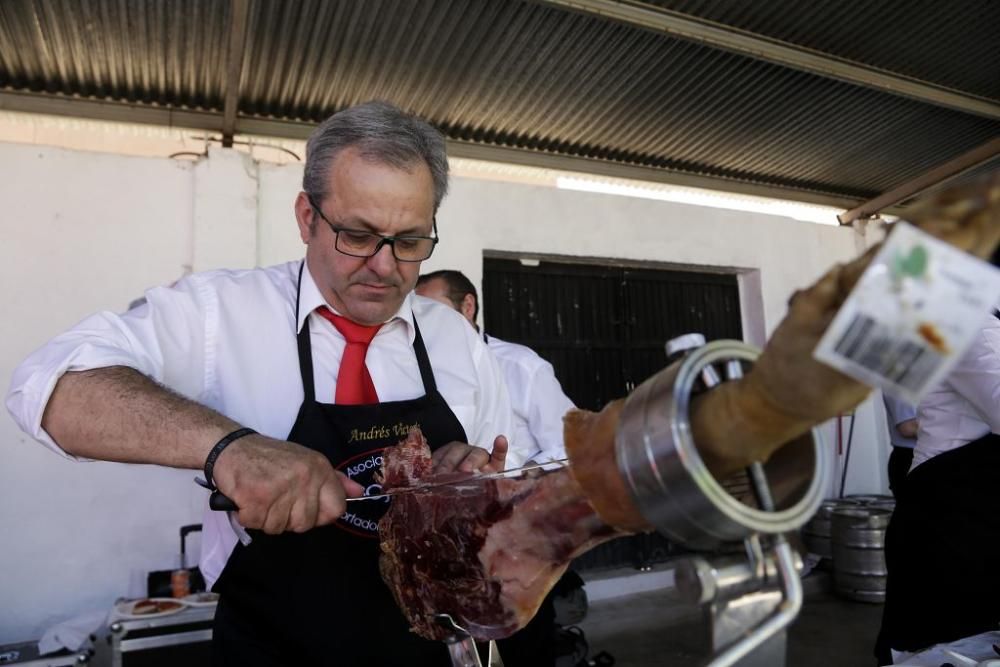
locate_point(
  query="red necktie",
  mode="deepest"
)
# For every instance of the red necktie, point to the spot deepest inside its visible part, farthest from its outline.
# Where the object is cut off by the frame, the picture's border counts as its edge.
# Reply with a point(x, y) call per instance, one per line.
point(354, 384)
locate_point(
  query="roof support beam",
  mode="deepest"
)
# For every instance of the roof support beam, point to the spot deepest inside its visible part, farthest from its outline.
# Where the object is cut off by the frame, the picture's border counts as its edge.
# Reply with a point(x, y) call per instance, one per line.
point(238, 12)
point(120, 112)
point(753, 45)
point(543, 160)
point(115, 112)
point(936, 176)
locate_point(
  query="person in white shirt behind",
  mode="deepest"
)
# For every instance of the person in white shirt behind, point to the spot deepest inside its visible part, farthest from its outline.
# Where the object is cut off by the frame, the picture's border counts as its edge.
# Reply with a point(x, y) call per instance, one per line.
point(943, 541)
point(903, 425)
point(536, 396)
point(539, 406)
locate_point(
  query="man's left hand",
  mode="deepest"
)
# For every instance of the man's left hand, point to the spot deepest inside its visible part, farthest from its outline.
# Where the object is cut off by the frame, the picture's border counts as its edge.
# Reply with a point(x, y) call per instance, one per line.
point(460, 457)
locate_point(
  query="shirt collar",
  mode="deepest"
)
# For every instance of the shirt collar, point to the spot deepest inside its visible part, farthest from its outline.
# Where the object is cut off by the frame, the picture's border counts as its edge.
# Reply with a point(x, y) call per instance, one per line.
point(310, 299)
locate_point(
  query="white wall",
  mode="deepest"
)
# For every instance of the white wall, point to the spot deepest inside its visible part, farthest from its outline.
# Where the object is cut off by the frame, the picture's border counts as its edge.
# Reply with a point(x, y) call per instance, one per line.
point(84, 231)
point(81, 232)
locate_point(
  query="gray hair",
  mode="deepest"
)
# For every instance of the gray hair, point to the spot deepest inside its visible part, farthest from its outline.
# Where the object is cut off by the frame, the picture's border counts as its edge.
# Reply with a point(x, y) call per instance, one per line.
point(384, 134)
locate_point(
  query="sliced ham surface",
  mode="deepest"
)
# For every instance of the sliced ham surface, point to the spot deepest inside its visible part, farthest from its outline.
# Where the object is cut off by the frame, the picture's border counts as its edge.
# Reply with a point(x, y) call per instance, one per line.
point(484, 552)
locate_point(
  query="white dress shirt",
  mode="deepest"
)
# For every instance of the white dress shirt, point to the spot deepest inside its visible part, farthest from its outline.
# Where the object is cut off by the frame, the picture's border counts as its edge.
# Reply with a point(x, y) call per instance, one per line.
point(966, 405)
point(226, 339)
point(538, 401)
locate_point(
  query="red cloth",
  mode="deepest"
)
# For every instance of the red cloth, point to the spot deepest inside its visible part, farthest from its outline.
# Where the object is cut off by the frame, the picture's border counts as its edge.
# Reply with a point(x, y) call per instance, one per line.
point(354, 384)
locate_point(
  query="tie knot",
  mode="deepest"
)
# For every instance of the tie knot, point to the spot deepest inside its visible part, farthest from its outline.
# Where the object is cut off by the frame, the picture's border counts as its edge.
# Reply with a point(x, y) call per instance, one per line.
point(351, 331)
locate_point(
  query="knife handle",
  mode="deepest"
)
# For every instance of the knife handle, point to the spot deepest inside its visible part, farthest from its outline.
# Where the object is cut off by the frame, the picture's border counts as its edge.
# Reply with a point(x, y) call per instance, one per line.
point(221, 503)
point(217, 501)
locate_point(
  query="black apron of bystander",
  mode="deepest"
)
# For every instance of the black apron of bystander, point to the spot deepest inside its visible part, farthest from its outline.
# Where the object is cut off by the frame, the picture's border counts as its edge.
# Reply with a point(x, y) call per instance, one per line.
point(943, 550)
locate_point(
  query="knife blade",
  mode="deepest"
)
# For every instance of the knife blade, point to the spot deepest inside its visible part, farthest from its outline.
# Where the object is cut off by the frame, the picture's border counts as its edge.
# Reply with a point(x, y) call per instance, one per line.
point(461, 482)
point(221, 503)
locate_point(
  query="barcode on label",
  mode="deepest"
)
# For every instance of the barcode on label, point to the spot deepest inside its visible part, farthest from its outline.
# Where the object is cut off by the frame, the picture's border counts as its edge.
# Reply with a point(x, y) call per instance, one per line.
point(877, 349)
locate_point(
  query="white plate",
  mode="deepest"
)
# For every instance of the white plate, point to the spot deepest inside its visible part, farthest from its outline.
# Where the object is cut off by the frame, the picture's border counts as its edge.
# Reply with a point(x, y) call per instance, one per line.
point(201, 599)
point(126, 608)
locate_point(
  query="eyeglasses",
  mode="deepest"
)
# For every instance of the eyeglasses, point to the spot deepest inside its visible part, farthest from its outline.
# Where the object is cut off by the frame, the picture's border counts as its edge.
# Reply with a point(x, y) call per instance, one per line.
point(359, 243)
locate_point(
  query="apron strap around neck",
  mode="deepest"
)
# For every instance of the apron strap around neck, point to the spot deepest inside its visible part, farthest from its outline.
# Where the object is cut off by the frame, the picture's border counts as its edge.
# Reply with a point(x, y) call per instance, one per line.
point(423, 361)
point(305, 348)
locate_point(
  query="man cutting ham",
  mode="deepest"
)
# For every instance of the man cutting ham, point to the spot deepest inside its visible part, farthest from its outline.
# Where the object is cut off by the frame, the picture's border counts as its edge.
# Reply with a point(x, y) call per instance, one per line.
point(327, 360)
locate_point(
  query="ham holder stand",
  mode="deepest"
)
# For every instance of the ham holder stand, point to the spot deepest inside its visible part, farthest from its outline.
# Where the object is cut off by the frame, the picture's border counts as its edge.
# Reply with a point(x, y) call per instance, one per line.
point(751, 599)
point(748, 598)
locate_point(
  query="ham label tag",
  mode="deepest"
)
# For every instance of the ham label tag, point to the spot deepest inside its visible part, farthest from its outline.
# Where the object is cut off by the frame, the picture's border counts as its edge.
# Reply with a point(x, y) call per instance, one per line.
point(912, 314)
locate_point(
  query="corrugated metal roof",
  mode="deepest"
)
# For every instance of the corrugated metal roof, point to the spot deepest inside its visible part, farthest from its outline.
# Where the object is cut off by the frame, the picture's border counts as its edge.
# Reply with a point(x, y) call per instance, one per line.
point(165, 52)
point(951, 43)
point(536, 77)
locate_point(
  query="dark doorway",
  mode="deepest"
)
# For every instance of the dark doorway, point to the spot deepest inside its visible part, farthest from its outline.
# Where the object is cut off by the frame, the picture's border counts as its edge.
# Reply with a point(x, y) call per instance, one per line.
point(603, 329)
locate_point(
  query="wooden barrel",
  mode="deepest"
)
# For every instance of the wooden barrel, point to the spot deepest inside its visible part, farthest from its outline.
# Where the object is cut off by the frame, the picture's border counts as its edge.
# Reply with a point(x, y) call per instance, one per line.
point(858, 545)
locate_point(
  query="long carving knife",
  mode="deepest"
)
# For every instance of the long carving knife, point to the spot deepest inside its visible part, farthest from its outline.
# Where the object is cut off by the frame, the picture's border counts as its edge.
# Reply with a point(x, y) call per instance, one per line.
point(221, 503)
point(463, 481)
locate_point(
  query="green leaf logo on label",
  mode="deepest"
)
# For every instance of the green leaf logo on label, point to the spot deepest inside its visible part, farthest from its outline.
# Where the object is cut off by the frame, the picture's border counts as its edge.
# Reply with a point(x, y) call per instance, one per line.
point(913, 265)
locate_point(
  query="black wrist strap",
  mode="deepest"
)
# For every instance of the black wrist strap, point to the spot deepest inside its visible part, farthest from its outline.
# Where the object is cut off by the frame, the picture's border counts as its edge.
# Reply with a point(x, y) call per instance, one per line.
point(213, 455)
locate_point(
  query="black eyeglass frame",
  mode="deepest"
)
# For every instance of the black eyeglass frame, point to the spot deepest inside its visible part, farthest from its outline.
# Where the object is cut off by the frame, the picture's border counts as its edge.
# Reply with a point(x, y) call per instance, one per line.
point(383, 239)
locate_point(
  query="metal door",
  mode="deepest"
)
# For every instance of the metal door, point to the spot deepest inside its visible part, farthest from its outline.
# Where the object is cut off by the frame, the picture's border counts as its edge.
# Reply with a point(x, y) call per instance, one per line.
point(603, 329)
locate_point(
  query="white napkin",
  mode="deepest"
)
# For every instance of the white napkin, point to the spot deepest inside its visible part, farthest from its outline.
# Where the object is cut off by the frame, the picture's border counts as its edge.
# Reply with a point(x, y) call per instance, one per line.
point(973, 649)
point(72, 634)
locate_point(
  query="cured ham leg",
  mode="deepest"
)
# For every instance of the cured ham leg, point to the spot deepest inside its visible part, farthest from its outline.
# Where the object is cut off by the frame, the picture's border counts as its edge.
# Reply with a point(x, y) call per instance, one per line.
point(488, 553)
point(787, 392)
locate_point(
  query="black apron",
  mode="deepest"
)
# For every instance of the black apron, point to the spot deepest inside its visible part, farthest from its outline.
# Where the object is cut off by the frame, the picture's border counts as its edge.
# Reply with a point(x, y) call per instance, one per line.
point(943, 550)
point(900, 460)
point(317, 598)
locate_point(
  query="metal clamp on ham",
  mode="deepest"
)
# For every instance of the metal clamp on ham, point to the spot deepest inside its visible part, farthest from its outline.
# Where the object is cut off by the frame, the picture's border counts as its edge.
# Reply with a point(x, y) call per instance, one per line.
point(675, 492)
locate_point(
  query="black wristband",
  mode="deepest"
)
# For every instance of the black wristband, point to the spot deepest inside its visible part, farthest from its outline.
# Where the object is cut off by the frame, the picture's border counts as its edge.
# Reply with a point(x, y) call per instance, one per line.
point(214, 454)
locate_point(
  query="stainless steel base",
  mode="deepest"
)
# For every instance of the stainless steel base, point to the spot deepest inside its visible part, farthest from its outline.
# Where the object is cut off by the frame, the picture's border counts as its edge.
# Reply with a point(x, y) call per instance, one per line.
point(729, 622)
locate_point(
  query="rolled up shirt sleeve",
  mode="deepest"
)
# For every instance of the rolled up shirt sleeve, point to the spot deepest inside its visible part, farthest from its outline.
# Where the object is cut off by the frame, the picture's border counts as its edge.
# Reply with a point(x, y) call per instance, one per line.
point(898, 410)
point(167, 339)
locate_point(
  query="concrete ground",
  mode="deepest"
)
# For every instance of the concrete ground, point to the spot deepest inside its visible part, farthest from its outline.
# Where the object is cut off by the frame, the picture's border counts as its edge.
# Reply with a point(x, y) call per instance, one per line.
point(647, 628)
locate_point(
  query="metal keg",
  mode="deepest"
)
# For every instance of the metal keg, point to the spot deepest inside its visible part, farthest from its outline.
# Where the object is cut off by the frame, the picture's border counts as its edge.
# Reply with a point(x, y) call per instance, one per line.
point(858, 542)
point(871, 500)
point(816, 534)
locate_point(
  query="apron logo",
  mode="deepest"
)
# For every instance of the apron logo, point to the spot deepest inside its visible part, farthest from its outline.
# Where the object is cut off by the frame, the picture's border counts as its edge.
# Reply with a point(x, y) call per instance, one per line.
point(367, 525)
point(373, 463)
point(362, 518)
point(381, 432)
